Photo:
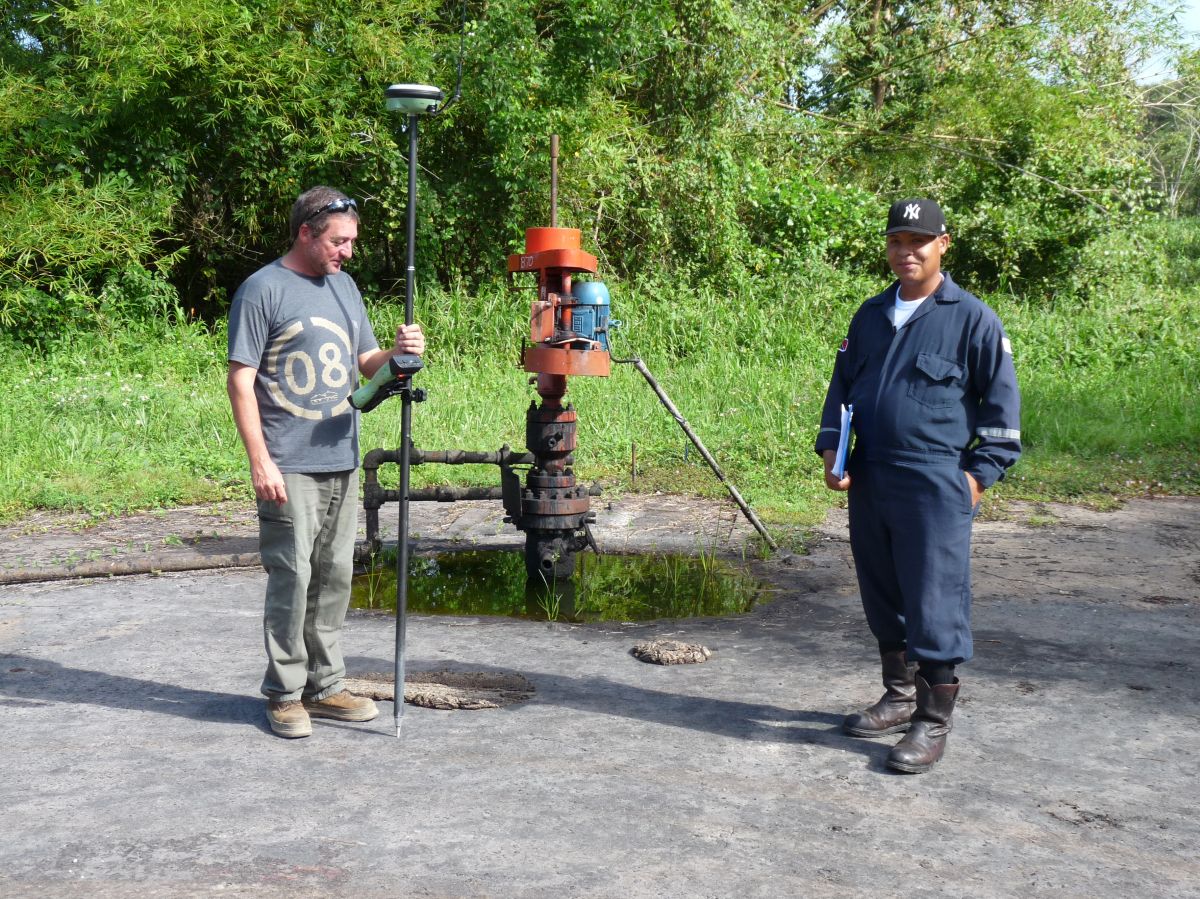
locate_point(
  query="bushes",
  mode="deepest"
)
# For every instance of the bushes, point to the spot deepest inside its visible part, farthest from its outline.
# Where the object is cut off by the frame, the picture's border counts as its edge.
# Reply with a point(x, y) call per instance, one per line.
point(155, 141)
point(70, 251)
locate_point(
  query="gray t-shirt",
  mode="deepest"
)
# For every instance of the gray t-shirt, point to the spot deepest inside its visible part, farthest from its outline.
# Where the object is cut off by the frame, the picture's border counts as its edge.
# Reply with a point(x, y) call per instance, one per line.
point(304, 335)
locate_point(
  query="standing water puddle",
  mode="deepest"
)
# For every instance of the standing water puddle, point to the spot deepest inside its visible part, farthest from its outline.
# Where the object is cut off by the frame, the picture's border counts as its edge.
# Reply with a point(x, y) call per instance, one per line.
point(605, 587)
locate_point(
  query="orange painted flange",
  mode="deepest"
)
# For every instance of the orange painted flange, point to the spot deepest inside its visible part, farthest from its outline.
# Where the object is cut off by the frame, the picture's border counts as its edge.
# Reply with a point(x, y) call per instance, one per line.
point(568, 258)
point(540, 239)
point(559, 361)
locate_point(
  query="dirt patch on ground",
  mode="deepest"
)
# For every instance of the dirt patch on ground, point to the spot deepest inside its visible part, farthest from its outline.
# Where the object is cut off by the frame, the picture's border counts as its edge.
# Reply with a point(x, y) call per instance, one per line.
point(49, 546)
point(1034, 550)
point(447, 690)
point(1146, 553)
point(671, 652)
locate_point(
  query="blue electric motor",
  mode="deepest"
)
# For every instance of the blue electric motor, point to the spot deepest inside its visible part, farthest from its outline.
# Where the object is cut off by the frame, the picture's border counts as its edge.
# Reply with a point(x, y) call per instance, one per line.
point(589, 311)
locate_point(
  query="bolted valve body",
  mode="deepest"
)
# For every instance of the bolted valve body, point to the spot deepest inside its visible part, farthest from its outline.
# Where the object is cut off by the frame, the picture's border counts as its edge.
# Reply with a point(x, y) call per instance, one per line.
point(568, 335)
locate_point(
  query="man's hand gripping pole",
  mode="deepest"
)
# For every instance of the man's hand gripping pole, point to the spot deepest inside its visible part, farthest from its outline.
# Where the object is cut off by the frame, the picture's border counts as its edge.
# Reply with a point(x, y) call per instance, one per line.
point(394, 377)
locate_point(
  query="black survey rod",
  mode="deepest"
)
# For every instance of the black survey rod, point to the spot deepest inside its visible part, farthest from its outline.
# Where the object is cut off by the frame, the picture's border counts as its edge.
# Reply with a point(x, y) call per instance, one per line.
point(405, 438)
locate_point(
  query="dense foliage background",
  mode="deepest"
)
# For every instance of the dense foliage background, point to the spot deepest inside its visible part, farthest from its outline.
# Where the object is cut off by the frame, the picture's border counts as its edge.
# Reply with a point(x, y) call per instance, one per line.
point(149, 149)
point(729, 162)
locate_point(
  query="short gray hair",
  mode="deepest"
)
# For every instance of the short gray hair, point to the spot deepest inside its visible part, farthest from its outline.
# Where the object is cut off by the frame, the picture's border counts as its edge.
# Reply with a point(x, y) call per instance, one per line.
point(308, 206)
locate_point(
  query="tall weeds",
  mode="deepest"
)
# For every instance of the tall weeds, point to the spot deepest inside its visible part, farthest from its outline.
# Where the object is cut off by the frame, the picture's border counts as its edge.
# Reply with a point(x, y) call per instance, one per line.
point(133, 414)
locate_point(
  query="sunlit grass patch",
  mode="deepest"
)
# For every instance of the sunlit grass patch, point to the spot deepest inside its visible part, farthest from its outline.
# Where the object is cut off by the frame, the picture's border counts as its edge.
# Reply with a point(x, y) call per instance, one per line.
point(136, 415)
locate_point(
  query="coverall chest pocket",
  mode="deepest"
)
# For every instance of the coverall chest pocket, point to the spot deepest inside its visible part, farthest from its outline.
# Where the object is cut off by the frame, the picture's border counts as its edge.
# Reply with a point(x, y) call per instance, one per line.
point(936, 381)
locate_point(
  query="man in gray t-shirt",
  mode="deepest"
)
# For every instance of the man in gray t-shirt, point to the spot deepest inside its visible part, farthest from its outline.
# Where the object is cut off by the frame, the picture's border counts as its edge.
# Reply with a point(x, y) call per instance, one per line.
point(299, 341)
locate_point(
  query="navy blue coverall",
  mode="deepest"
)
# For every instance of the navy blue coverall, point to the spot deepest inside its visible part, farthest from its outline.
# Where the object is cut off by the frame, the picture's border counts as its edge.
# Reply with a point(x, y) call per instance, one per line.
point(932, 400)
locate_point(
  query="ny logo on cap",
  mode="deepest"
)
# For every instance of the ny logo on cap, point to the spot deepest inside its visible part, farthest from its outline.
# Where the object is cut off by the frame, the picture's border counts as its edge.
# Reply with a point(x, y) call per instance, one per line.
point(912, 211)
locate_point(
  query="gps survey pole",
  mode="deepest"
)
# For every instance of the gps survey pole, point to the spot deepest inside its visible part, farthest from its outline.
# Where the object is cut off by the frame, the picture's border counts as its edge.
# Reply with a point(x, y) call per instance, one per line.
point(412, 100)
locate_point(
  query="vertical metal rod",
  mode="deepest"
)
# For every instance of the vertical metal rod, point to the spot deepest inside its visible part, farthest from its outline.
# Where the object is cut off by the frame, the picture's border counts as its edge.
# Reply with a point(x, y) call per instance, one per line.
point(411, 249)
point(553, 180)
point(405, 441)
point(402, 564)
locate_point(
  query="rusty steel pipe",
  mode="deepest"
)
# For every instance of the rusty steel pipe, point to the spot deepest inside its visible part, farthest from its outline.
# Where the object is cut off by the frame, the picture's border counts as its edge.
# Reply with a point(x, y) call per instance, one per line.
point(504, 456)
point(553, 180)
point(457, 494)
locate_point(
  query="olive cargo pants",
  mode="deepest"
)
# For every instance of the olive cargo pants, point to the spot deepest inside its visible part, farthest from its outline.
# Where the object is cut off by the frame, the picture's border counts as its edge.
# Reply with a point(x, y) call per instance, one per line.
point(307, 547)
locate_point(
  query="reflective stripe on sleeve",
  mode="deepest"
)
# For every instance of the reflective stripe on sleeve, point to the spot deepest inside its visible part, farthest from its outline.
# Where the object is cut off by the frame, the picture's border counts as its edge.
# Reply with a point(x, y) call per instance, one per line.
point(999, 433)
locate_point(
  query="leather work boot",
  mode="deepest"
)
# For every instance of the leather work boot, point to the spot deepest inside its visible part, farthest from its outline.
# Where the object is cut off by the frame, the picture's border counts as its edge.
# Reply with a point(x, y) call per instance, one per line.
point(344, 706)
point(288, 718)
point(894, 709)
point(925, 741)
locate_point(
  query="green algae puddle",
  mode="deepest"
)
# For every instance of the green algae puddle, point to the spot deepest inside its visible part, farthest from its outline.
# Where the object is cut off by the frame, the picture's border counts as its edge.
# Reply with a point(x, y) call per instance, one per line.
point(605, 587)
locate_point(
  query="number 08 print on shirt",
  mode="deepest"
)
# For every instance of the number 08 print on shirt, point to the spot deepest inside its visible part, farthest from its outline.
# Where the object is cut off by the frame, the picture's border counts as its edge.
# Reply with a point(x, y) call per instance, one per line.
point(308, 387)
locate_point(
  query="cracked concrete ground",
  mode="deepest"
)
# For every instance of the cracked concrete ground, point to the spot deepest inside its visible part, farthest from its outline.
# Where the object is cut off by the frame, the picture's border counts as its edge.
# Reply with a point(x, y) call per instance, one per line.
point(138, 762)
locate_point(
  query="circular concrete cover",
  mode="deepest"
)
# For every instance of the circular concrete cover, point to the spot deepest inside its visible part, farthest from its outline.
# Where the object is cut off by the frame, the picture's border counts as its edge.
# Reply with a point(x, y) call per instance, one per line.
point(447, 689)
point(671, 652)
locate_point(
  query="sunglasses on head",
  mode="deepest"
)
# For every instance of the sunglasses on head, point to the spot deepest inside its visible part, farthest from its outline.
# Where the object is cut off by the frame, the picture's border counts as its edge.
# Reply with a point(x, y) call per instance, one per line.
point(343, 205)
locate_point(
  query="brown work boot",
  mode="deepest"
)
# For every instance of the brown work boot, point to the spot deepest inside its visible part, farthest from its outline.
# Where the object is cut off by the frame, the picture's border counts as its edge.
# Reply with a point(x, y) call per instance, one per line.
point(895, 708)
point(925, 741)
point(343, 706)
point(288, 718)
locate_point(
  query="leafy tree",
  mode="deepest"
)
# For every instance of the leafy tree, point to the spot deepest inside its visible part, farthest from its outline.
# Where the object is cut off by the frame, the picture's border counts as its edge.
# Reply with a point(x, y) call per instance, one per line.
point(198, 121)
point(151, 148)
point(1172, 136)
point(1021, 117)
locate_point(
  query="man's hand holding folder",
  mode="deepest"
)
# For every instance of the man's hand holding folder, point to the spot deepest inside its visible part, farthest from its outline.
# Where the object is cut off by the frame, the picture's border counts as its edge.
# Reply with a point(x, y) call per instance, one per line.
point(835, 460)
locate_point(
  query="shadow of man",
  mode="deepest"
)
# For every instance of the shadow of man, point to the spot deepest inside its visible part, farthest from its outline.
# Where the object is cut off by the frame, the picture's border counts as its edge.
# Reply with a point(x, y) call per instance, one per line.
point(26, 681)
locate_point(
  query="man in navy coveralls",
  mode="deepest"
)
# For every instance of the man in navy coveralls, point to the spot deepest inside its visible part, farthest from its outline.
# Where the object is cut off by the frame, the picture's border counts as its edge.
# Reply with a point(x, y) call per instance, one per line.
point(929, 371)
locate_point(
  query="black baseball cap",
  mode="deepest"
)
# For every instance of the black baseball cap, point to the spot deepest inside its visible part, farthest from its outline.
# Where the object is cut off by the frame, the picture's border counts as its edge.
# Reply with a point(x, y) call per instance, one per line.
point(916, 214)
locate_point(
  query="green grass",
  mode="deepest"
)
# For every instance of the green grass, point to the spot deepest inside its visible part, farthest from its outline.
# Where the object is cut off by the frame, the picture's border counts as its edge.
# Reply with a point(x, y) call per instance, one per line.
point(132, 418)
point(136, 416)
